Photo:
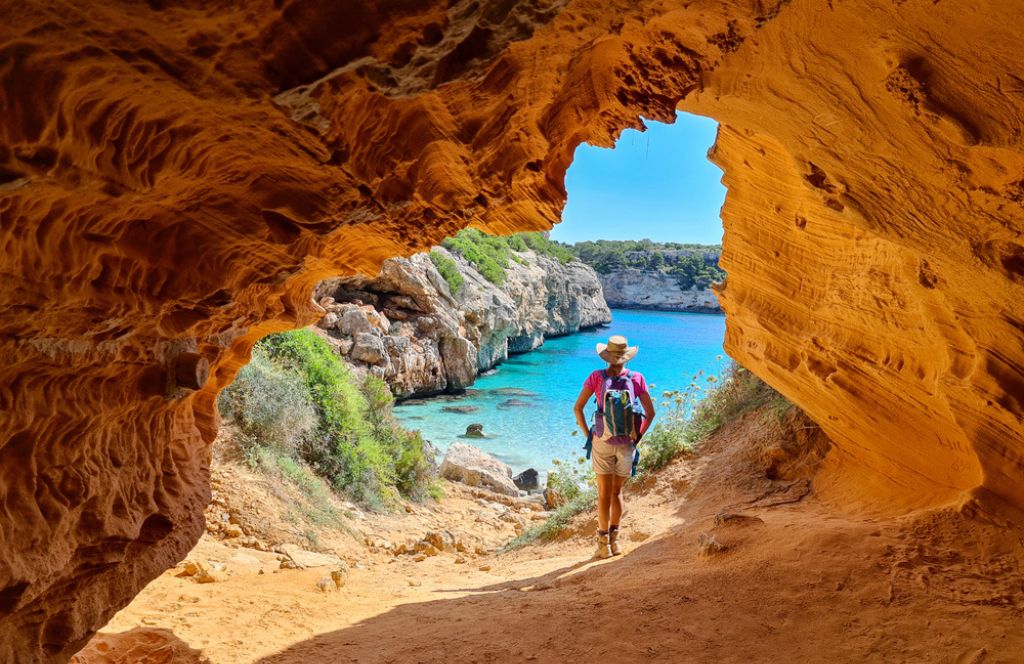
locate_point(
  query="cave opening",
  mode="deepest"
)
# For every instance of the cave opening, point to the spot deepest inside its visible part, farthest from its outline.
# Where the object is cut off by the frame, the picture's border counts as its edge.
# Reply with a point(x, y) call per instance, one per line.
point(656, 183)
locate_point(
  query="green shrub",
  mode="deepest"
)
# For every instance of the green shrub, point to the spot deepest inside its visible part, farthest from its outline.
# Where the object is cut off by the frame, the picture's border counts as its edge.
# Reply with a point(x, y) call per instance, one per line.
point(490, 254)
point(299, 398)
point(448, 270)
point(690, 415)
point(315, 505)
point(270, 406)
point(739, 393)
point(412, 470)
point(548, 247)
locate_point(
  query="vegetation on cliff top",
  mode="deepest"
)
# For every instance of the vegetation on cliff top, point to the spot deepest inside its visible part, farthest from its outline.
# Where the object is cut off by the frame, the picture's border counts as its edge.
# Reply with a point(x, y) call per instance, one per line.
point(297, 398)
point(693, 265)
point(490, 254)
point(448, 270)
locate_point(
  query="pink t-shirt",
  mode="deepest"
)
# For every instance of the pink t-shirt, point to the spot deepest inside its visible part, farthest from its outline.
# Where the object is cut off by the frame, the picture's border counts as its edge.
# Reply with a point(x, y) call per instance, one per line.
point(595, 383)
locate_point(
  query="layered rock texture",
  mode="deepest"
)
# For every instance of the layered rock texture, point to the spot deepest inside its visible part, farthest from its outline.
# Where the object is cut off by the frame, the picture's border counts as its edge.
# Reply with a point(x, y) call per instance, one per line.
point(176, 178)
point(653, 289)
point(407, 327)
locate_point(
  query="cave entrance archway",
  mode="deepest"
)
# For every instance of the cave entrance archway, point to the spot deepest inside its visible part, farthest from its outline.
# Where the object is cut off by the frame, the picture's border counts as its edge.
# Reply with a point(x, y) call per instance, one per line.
point(656, 184)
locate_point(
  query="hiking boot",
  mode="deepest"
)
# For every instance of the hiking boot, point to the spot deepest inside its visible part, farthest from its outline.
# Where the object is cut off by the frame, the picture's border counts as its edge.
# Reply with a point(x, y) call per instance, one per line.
point(603, 549)
point(613, 542)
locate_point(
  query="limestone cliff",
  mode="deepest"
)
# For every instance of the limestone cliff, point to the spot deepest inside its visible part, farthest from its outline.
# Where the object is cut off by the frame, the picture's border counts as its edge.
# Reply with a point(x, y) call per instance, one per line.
point(407, 327)
point(642, 274)
point(175, 179)
point(654, 289)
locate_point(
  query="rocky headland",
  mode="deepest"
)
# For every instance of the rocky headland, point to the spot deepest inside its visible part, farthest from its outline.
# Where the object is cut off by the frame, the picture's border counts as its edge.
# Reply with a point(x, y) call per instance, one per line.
point(408, 327)
point(641, 274)
point(630, 288)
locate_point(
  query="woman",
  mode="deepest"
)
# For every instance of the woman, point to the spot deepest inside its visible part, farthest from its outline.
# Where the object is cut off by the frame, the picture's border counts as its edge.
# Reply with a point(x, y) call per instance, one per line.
point(612, 456)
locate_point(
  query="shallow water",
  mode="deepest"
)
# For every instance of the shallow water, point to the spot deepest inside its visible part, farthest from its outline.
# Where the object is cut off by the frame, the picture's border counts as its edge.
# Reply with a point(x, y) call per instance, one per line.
point(526, 404)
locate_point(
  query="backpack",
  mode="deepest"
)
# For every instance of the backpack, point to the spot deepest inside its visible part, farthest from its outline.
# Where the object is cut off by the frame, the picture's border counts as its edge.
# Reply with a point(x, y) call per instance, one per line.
point(615, 403)
point(620, 408)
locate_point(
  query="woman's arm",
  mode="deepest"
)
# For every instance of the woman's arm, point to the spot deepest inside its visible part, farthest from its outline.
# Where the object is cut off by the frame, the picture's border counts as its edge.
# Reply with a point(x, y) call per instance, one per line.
point(581, 402)
point(645, 401)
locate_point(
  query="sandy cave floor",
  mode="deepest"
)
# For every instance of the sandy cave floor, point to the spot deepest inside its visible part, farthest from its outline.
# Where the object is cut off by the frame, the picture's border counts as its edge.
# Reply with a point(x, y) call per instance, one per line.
point(795, 582)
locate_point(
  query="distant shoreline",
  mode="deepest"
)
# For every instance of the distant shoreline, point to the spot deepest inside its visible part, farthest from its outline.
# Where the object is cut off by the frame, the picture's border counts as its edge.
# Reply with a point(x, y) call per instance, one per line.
point(668, 310)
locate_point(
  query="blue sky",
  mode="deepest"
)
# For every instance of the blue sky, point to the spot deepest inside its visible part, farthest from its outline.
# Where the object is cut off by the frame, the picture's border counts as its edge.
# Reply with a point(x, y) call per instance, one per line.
point(657, 184)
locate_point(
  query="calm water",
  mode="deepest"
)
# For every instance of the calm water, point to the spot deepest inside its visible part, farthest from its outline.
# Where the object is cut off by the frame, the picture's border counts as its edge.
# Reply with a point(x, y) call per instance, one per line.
point(526, 404)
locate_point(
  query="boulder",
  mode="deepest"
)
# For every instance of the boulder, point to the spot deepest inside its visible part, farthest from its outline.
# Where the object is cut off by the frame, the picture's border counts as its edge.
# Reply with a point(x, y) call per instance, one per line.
point(243, 563)
point(441, 540)
point(515, 403)
point(514, 392)
point(469, 465)
point(459, 409)
point(329, 321)
point(354, 322)
point(368, 348)
point(198, 573)
point(475, 431)
point(528, 480)
point(299, 558)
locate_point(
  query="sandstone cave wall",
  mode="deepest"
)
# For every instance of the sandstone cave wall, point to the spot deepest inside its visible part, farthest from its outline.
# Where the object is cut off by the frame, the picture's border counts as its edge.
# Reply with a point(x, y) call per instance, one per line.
point(175, 178)
point(407, 327)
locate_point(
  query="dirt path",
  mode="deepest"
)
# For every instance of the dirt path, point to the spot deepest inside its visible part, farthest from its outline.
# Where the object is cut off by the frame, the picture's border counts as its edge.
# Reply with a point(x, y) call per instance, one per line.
point(722, 565)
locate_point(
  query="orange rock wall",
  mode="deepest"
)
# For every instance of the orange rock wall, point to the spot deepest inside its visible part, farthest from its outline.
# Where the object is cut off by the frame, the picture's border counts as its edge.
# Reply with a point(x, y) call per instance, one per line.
point(874, 241)
point(175, 178)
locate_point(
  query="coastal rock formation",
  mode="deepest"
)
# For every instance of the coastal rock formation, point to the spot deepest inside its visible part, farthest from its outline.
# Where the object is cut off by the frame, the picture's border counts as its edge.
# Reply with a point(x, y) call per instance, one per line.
point(470, 465)
point(407, 327)
point(643, 274)
point(175, 179)
point(653, 289)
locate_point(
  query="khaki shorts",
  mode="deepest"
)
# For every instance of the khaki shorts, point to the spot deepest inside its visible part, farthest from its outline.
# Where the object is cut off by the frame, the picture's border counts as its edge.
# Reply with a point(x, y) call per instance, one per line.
point(609, 459)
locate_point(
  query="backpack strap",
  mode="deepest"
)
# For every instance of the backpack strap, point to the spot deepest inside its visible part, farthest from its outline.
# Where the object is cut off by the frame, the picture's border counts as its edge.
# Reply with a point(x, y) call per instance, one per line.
point(608, 381)
point(629, 386)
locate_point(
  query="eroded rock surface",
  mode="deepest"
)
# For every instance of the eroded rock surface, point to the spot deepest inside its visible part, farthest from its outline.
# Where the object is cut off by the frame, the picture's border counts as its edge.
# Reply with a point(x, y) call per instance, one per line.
point(407, 327)
point(175, 179)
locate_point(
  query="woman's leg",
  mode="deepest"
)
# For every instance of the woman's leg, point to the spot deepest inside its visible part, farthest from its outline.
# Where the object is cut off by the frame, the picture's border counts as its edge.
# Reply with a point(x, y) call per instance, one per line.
point(615, 500)
point(604, 501)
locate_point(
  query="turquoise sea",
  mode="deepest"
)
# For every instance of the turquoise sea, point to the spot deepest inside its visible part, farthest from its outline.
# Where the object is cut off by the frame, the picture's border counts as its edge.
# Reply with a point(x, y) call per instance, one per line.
point(526, 404)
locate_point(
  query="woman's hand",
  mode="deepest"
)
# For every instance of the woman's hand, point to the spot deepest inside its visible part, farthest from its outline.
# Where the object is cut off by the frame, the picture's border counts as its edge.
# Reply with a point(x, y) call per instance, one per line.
point(581, 402)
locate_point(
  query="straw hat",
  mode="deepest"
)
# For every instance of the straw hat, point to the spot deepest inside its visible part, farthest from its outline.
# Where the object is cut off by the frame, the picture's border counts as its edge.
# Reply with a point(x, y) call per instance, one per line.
point(617, 350)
